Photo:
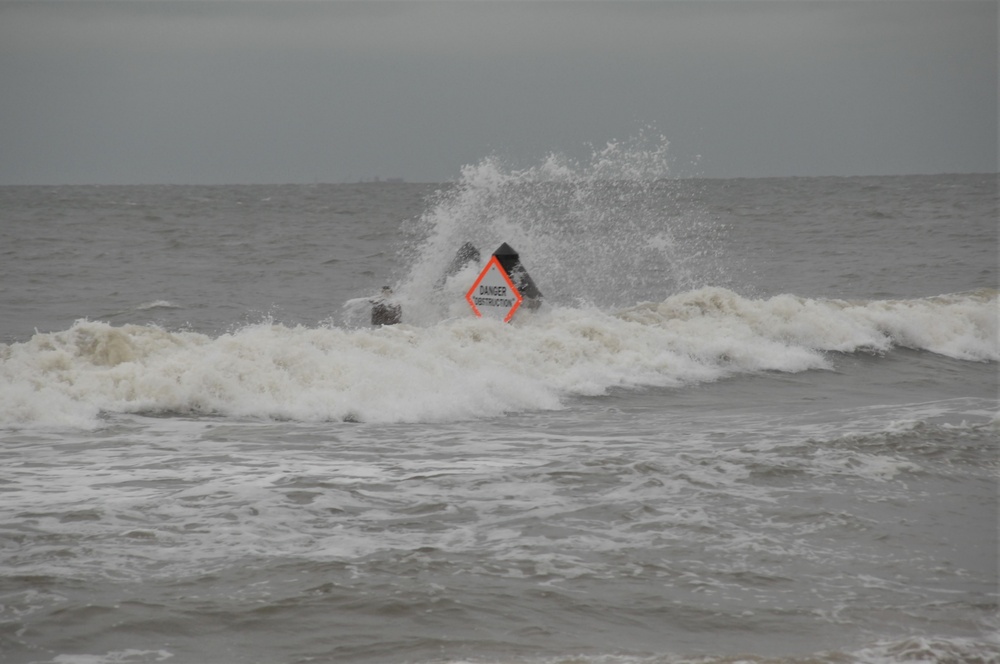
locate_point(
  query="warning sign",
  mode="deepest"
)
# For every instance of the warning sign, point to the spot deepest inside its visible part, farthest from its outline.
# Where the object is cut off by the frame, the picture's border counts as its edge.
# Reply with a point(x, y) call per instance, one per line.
point(493, 294)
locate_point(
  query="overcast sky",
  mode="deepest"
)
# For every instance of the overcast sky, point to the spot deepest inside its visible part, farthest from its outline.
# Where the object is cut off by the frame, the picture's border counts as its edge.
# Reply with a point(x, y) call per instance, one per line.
point(146, 91)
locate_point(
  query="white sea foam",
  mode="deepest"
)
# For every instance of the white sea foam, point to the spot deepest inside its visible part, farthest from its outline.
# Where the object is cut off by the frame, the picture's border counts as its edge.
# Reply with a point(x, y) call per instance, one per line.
point(157, 304)
point(115, 657)
point(916, 650)
point(465, 368)
point(913, 650)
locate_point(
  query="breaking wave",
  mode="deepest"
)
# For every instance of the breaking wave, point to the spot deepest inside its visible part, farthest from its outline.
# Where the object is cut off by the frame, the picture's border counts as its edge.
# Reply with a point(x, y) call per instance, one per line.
point(466, 368)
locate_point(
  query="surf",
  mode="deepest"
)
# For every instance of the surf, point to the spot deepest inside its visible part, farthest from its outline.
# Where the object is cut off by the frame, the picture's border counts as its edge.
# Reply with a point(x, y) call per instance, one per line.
point(640, 288)
point(463, 367)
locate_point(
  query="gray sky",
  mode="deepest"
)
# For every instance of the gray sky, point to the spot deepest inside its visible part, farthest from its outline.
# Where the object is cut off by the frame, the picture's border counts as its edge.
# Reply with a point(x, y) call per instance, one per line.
point(146, 91)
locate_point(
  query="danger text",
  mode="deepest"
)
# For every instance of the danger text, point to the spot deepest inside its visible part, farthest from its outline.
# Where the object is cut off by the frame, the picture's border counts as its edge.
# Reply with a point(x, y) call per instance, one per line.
point(492, 291)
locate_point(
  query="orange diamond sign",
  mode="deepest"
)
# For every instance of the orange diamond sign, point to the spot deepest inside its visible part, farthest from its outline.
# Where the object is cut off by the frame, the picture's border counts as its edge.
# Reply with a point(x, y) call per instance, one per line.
point(493, 294)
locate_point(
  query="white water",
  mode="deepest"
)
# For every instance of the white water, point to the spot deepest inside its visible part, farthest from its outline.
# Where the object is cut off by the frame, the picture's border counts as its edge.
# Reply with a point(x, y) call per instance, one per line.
point(753, 421)
point(465, 368)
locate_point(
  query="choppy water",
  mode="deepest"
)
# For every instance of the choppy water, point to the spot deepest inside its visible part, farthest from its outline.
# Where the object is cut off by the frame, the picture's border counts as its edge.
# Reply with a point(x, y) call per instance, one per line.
point(755, 419)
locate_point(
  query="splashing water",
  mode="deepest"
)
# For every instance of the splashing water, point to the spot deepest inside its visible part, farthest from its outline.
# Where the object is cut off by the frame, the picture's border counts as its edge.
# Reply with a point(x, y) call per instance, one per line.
point(607, 233)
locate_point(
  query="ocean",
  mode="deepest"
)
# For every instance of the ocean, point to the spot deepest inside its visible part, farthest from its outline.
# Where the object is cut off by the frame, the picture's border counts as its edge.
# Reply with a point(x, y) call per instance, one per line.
point(753, 420)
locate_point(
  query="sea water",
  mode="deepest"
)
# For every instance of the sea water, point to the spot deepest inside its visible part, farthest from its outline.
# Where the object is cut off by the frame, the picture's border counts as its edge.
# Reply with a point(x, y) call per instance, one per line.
point(754, 420)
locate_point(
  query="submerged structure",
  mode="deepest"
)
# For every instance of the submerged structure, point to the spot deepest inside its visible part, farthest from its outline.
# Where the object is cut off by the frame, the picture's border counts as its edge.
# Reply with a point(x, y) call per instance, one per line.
point(384, 310)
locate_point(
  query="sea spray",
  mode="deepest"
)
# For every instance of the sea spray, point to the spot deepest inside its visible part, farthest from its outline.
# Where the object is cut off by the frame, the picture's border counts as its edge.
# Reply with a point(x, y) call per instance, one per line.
point(609, 232)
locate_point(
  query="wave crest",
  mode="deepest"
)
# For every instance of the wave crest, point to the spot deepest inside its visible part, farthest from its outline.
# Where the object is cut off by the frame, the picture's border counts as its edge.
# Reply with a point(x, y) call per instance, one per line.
point(466, 368)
